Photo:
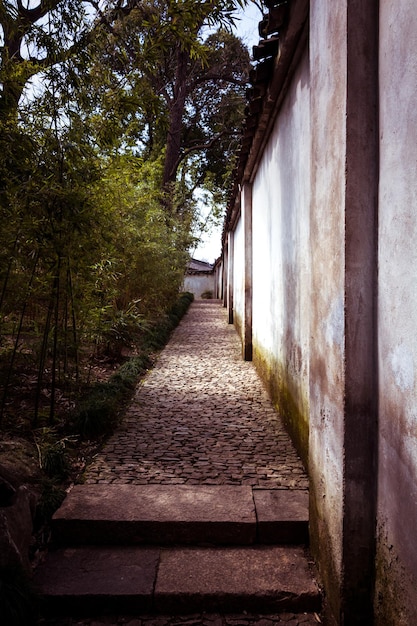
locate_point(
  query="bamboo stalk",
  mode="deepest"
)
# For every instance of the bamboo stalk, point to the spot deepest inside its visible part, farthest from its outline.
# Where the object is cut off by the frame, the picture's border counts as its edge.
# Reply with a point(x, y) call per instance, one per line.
point(16, 343)
point(42, 358)
point(55, 344)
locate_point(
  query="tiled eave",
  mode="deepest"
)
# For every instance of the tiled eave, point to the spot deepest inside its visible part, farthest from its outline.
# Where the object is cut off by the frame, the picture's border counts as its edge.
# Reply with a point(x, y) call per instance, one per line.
point(284, 32)
point(199, 272)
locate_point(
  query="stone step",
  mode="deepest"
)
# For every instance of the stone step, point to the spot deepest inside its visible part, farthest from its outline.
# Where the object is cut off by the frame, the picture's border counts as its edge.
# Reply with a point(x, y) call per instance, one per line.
point(181, 514)
point(101, 580)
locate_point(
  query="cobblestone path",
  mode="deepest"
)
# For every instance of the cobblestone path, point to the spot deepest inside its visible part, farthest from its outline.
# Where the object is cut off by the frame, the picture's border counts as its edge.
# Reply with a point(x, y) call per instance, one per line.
point(201, 416)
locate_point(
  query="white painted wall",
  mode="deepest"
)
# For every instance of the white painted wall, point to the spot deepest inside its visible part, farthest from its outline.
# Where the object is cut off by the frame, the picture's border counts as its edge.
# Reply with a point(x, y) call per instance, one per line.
point(218, 274)
point(397, 313)
point(281, 264)
point(197, 284)
point(239, 277)
point(328, 155)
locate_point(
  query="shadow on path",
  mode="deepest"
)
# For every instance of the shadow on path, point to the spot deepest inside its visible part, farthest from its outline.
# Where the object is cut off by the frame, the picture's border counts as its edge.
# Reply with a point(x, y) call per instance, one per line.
point(201, 416)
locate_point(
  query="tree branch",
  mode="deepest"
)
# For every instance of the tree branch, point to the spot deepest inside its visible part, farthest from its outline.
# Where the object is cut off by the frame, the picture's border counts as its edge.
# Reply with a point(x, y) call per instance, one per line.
point(30, 16)
point(202, 146)
point(212, 76)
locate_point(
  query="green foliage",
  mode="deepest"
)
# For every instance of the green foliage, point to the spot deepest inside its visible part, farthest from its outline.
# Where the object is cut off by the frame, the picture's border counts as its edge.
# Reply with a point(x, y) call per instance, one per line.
point(55, 460)
point(128, 374)
point(49, 31)
point(180, 307)
point(148, 248)
point(18, 600)
point(95, 234)
point(86, 261)
point(52, 496)
point(98, 413)
point(53, 452)
point(174, 83)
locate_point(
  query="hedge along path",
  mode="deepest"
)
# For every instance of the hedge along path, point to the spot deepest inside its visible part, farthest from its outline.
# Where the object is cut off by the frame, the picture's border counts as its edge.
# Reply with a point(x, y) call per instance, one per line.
point(201, 416)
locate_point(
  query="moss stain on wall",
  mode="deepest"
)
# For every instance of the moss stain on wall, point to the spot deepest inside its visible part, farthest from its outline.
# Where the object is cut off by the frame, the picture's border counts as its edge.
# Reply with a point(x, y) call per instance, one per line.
point(237, 322)
point(392, 600)
point(286, 398)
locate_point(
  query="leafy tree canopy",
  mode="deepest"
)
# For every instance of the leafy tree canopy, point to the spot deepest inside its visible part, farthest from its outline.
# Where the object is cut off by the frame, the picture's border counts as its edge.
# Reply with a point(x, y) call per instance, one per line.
point(114, 116)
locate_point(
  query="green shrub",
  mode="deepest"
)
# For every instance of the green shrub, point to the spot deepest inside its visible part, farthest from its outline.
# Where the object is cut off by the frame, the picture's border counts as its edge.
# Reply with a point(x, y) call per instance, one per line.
point(55, 460)
point(98, 413)
point(127, 375)
point(51, 498)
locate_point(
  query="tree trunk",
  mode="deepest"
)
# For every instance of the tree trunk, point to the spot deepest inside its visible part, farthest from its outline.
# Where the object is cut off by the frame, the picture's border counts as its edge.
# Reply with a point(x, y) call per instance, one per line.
point(176, 114)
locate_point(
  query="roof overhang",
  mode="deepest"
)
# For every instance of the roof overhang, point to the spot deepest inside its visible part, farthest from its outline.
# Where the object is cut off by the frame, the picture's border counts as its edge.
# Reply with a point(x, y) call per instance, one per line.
point(285, 34)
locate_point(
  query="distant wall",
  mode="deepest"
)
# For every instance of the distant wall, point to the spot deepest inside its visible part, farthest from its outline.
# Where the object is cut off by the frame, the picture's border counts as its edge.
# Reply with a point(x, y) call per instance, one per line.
point(218, 279)
point(239, 280)
point(197, 284)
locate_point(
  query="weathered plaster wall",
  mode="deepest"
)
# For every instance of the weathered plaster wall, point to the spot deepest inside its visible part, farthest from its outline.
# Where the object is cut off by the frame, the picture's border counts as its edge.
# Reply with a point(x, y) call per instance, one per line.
point(281, 267)
point(335, 297)
point(396, 592)
point(239, 281)
point(199, 283)
point(328, 23)
point(218, 278)
point(343, 381)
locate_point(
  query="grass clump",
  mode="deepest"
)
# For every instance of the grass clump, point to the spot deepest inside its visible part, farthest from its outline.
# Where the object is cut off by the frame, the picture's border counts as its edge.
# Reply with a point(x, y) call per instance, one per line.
point(51, 497)
point(97, 414)
point(56, 461)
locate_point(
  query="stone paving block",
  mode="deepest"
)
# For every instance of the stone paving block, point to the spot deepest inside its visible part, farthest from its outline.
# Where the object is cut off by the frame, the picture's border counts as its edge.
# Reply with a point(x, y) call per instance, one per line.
point(282, 515)
point(157, 514)
point(235, 580)
point(201, 405)
point(201, 415)
point(92, 580)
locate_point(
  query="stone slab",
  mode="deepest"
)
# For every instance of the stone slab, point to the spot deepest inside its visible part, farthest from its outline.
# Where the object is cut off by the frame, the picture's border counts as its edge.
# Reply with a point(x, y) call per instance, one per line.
point(157, 514)
point(267, 578)
point(201, 416)
point(98, 579)
point(282, 515)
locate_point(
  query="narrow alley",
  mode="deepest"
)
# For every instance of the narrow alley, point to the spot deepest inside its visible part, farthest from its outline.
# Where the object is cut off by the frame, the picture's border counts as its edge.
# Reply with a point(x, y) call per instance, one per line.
point(201, 416)
point(196, 510)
